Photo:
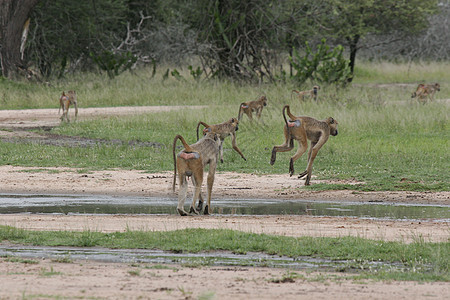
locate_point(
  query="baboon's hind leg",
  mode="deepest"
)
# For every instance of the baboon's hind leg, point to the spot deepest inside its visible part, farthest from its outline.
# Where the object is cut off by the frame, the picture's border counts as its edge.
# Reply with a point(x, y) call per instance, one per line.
point(182, 194)
point(302, 146)
point(211, 173)
point(197, 179)
point(287, 146)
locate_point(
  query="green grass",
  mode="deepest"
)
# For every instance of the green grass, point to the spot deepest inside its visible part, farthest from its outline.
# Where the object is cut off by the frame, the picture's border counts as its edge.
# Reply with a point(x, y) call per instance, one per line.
point(386, 141)
point(421, 260)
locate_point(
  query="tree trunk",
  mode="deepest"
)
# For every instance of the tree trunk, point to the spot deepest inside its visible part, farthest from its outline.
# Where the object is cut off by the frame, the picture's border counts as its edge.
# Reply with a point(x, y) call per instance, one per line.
point(353, 44)
point(13, 16)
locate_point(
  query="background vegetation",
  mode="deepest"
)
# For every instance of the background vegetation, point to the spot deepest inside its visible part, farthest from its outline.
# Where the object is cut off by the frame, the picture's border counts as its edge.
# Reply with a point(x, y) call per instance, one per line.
point(245, 40)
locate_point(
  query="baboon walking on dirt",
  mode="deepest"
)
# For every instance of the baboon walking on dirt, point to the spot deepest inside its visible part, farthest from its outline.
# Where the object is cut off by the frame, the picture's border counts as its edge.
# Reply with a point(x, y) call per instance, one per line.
point(223, 130)
point(65, 101)
point(191, 162)
point(303, 129)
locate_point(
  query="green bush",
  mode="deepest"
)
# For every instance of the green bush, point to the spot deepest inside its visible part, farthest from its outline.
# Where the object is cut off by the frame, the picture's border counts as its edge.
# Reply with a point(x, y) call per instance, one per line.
point(324, 65)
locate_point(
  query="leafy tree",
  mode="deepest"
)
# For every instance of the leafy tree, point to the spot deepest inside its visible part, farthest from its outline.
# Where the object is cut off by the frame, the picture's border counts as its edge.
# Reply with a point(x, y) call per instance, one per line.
point(236, 37)
point(64, 33)
point(351, 21)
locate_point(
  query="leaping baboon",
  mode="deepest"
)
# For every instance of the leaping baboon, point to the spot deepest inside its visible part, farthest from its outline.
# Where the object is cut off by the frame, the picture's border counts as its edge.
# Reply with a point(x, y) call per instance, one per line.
point(65, 101)
point(191, 162)
point(425, 91)
point(223, 130)
point(303, 129)
point(312, 93)
point(252, 106)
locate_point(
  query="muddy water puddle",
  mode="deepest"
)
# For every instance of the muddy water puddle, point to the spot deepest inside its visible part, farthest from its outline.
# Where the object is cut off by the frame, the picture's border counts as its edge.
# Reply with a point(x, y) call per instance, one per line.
point(219, 258)
point(95, 204)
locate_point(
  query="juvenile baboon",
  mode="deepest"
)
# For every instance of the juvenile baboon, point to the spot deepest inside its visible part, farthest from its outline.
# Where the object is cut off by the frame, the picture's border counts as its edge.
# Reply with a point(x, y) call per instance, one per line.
point(65, 101)
point(425, 91)
point(303, 129)
point(252, 106)
point(191, 162)
point(311, 93)
point(223, 130)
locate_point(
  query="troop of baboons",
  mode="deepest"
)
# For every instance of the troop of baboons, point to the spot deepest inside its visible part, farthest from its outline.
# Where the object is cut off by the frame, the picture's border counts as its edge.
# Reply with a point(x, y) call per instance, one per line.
point(193, 159)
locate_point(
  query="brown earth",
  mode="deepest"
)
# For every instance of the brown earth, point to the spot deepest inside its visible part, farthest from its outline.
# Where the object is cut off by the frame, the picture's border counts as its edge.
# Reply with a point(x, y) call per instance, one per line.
point(85, 279)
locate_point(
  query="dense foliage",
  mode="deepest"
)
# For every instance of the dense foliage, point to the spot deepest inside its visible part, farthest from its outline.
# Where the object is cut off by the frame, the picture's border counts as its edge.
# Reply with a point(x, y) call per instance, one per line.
point(246, 40)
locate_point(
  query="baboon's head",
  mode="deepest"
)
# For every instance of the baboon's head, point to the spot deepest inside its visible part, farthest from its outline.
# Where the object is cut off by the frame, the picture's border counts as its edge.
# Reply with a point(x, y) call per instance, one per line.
point(211, 135)
point(315, 89)
point(234, 122)
point(437, 86)
point(264, 100)
point(333, 126)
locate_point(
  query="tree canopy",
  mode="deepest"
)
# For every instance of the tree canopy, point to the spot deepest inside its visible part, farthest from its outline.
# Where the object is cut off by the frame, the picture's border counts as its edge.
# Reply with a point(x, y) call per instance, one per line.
point(249, 40)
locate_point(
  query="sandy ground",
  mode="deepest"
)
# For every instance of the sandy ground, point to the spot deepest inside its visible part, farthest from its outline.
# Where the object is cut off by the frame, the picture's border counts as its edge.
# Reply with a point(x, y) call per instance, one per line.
point(84, 279)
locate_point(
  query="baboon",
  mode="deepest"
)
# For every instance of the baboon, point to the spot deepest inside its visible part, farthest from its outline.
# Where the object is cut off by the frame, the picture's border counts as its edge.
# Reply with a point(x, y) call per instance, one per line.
point(65, 101)
point(303, 129)
point(223, 130)
point(311, 93)
point(252, 106)
point(425, 91)
point(191, 162)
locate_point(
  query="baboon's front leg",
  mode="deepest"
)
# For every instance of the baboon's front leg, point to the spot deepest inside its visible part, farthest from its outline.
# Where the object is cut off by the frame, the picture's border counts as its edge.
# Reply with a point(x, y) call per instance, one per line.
point(235, 147)
point(76, 109)
point(221, 150)
point(200, 203)
point(302, 174)
point(211, 174)
point(312, 155)
point(258, 115)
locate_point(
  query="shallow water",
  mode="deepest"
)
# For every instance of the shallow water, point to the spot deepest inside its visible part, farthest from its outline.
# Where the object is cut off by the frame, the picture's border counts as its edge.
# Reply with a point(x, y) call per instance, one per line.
point(95, 204)
point(222, 258)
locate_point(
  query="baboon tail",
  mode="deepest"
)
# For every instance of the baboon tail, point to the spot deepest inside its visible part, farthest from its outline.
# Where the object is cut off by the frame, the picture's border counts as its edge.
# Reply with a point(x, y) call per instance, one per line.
point(240, 111)
point(284, 114)
point(198, 125)
point(288, 111)
point(186, 147)
point(174, 162)
point(292, 93)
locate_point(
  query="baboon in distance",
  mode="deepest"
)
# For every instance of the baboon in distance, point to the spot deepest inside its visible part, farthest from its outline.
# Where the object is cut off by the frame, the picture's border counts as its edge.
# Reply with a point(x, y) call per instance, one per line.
point(252, 106)
point(191, 162)
point(223, 130)
point(426, 90)
point(311, 93)
point(303, 129)
point(65, 101)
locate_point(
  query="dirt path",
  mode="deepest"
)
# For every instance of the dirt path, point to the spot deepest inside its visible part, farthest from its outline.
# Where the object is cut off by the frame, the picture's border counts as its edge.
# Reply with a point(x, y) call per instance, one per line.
point(82, 279)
